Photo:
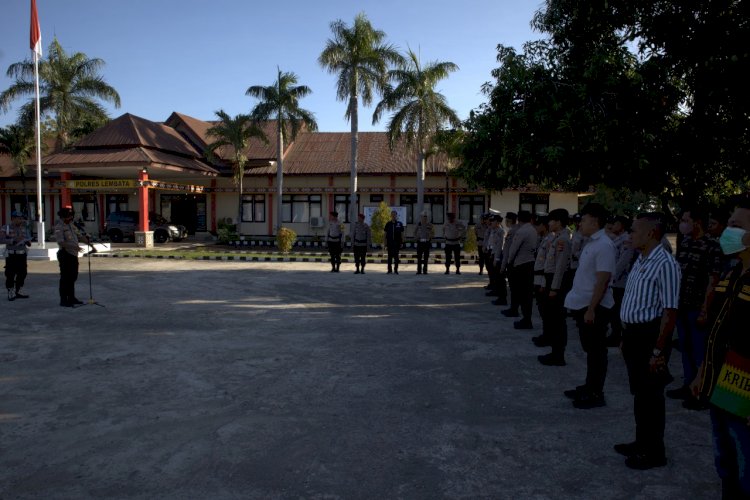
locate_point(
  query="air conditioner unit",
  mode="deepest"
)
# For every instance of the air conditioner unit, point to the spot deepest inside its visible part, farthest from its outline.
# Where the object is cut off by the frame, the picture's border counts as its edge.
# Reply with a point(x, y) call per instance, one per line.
point(317, 222)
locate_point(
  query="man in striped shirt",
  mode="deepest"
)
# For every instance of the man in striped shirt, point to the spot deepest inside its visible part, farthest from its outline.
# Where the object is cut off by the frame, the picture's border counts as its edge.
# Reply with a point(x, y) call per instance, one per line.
point(648, 315)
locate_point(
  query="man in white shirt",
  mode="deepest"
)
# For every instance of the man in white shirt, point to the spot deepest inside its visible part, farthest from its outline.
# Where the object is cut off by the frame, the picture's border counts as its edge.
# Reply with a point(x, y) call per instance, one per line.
point(591, 302)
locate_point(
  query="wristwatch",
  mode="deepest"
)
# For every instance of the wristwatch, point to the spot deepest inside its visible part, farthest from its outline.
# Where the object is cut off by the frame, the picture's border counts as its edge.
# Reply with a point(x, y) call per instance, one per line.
point(657, 352)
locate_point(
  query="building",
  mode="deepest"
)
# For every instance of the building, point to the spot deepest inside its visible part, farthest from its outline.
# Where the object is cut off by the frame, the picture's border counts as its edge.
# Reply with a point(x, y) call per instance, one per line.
point(137, 164)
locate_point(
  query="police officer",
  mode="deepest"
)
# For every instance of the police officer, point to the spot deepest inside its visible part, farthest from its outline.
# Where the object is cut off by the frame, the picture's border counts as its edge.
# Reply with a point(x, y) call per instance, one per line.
point(423, 235)
point(394, 236)
point(334, 237)
point(495, 259)
point(66, 235)
point(361, 241)
point(17, 239)
point(481, 231)
point(454, 232)
point(557, 282)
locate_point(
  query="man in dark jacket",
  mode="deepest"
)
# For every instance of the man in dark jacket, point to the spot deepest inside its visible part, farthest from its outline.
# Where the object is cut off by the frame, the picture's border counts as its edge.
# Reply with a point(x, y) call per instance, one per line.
point(394, 237)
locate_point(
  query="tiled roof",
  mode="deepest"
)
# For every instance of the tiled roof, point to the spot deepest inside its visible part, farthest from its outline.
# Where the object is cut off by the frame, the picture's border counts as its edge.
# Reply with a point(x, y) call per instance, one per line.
point(136, 157)
point(130, 130)
point(329, 153)
point(197, 132)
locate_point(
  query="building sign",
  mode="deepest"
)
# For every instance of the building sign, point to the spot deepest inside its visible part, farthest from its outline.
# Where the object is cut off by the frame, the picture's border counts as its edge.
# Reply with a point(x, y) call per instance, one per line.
point(172, 186)
point(99, 184)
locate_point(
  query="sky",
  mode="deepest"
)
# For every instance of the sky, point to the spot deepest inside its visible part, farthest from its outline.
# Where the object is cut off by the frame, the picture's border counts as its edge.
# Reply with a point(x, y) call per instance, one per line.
point(197, 57)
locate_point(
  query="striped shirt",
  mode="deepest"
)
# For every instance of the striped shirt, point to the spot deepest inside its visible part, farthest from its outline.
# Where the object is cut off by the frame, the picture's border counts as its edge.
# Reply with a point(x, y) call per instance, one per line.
point(653, 285)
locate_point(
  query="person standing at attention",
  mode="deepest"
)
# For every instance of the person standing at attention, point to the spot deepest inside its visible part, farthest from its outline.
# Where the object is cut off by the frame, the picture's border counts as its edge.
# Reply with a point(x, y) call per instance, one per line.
point(16, 238)
point(66, 235)
point(648, 314)
point(361, 241)
point(591, 301)
point(334, 238)
point(423, 235)
point(454, 232)
point(394, 237)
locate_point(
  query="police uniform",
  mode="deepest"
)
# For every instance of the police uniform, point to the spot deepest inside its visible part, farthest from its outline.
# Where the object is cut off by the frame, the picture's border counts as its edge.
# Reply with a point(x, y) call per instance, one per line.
point(362, 240)
point(481, 231)
point(496, 240)
point(557, 282)
point(16, 238)
point(334, 237)
point(66, 235)
point(454, 233)
point(423, 235)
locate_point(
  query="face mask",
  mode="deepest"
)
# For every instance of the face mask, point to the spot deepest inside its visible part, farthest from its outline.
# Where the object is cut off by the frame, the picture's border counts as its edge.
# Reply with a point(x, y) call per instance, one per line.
point(686, 228)
point(731, 240)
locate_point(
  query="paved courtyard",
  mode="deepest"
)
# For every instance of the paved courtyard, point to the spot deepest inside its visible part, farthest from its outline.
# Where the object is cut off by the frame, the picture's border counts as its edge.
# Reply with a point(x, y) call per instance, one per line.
point(284, 381)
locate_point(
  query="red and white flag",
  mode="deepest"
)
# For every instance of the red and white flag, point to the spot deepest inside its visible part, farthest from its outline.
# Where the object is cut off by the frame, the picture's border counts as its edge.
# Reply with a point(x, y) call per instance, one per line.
point(36, 32)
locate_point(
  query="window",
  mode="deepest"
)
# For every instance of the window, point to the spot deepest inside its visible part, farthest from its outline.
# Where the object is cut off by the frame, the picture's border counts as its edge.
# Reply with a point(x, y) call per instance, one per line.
point(341, 205)
point(26, 204)
point(85, 206)
point(434, 206)
point(254, 208)
point(300, 207)
point(470, 208)
point(534, 203)
point(410, 202)
point(117, 203)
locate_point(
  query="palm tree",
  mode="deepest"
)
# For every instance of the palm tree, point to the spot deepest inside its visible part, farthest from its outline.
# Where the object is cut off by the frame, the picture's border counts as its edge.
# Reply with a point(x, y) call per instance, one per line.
point(361, 60)
point(234, 133)
point(419, 110)
point(281, 101)
point(69, 87)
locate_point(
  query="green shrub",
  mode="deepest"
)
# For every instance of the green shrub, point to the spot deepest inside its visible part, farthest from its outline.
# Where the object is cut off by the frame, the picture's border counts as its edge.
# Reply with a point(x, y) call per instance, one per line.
point(378, 221)
point(285, 239)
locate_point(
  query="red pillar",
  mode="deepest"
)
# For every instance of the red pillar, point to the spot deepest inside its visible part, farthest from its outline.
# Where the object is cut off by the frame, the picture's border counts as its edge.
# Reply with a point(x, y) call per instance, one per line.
point(65, 191)
point(143, 201)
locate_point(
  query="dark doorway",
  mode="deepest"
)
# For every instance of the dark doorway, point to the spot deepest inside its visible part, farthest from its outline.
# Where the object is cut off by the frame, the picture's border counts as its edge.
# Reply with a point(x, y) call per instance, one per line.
point(188, 210)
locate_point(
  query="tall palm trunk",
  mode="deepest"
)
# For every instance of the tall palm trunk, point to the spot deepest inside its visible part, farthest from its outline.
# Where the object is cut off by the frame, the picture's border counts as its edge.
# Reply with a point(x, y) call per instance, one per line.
point(353, 103)
point(239, 213)
point(420, 184)
point(279, 172)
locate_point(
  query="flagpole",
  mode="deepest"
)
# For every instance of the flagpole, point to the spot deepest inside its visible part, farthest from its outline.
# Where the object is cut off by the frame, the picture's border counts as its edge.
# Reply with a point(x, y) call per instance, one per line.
point(40, 233)
point(35, 39)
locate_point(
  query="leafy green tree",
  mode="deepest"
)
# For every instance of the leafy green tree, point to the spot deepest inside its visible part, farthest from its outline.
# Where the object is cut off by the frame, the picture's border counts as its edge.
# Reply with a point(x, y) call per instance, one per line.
point(18, 142)
point(70, 88)
point(281, 101)
point(235, 134)
point(419, 110)
point(361, 60)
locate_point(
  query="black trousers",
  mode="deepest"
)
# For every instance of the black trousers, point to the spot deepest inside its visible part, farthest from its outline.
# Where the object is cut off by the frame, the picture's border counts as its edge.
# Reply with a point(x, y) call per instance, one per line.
point(554, 319)
point(393, 258)
point(522, 289)
point(616, 325)
point(334, 249)
point(360, 255)
point(423, 255)
point(482, 258)
point(68, 275)
point(453, 254)
point(594, 344)
point(647, 388)
point(15, 271)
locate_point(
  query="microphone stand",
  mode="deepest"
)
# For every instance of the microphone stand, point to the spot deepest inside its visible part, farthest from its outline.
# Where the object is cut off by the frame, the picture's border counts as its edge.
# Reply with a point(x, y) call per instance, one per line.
point(92, 249)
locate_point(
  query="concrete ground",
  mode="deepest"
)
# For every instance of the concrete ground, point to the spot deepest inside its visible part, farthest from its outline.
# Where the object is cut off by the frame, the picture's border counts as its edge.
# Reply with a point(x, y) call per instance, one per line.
point(282, 380)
